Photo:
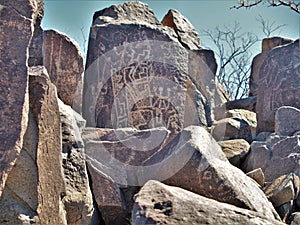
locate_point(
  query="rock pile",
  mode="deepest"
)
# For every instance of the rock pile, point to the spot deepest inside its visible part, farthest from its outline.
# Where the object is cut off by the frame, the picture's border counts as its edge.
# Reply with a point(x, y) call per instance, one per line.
point(158, 142)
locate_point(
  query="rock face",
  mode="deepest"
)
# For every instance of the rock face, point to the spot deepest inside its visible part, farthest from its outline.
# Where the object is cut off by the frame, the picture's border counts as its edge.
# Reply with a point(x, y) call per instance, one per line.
point(279, 82)
point(183, 28)
point(16, 30)
point(287, 121)
point(78, 200)
point(143, 69)
point(173, 205)
point(267, 45)
point(43, 102)
point(64, 62)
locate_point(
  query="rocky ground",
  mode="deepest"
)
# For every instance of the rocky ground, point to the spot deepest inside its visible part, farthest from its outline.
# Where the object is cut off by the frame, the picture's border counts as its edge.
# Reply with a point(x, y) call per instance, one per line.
point(147, 135)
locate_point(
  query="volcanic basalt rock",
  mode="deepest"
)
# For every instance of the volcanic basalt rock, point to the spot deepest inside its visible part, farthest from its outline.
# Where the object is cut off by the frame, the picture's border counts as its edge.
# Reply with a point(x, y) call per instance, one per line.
point(17, 20)
point(64, 63)
point(279, 83)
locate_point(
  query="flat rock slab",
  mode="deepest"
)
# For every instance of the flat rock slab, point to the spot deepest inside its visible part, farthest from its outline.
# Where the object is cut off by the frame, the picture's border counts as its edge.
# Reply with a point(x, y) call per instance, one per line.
point(157, 203)
point(15, 31)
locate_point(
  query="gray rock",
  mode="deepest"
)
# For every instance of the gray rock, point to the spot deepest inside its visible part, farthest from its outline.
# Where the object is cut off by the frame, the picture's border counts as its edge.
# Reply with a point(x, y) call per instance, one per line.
point(295, 218)
point(157, 203)
point(279, 81)
point(287, 121)
point(231, 128)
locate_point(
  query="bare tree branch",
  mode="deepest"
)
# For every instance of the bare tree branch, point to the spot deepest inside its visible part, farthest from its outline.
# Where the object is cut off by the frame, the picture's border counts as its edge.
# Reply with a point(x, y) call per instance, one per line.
point(268, 27)
point(293, 5)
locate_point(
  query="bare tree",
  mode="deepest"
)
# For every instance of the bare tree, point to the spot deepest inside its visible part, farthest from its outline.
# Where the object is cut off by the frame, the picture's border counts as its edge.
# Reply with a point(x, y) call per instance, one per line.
point(268, 27)
point(234, 56)
point(293, 5)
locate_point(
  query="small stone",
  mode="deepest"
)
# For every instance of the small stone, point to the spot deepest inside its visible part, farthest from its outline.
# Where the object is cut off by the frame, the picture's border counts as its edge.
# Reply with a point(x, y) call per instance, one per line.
point(258, 176)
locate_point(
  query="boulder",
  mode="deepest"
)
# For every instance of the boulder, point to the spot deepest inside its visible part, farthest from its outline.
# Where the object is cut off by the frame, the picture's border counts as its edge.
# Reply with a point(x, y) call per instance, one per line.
point(267, 45)
point(51, 187)
point(235, 150)
point(78, 200)
point(258, 176)
point(245, 103)
point(186, 32)
point(276, 156)
point(283, 189)
point(231, 128)
point(138, 74)
point(17, 20)
point(209, 168)
point(279, 82)
point(157, 203)
point(64, 62)
point(287, 121)
point(295, 218)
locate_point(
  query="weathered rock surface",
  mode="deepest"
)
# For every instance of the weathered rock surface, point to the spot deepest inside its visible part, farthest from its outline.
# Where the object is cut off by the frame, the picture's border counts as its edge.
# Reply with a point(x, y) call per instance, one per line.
point(287, 121)
point(43, 102)
point(231, 128)
point(16, 29)
point(64, 63)
point(267, 45)
point(276, 157)
point(279, 83)
point(283, 189)
point(295, 218)
point(157, 203)
point(235, 150)
point(186, 32)
point(78, 200)
point(258, 176)
point(245, 103)
point(209, 168)
point(132, 60)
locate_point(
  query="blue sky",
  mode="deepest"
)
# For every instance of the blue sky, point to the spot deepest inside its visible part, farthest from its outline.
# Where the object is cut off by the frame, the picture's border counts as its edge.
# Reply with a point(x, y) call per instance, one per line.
point(70, 16)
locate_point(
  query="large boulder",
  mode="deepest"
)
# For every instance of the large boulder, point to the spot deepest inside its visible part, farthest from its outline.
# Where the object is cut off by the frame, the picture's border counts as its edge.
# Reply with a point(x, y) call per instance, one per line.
point(279, 82)
point(64, 63)
point(17, 20)
point(287, 121)
point(157, 203)
point(138, 73)
point(267, 45)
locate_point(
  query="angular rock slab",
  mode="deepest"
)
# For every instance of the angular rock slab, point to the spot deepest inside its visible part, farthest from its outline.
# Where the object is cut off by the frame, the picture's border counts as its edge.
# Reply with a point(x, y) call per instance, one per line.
point(187, 34)
point(209, 174)
point(78, 200)
point(277, 156)
point(43, 102)
point(16, 31)
point(279, 83)
point(157, 203)
point(287, 121)
point(64, 63)
point(137, 74)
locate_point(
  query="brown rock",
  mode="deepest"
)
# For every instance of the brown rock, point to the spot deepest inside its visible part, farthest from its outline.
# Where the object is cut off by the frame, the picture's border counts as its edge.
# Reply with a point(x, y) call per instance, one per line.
point(36, 48)
point(78, 200)
point(287, 121)
point(267, 45)
point(283, 189)
point(258, 176)
point(136, 75)
point(235, 150)
point(43, 102)
point(157, 203)
point(187, 34)
point(245, 103)
point(64, 62)
point(279, 83)
point(231, 128)
point(16, 28)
